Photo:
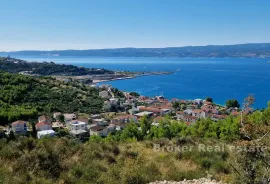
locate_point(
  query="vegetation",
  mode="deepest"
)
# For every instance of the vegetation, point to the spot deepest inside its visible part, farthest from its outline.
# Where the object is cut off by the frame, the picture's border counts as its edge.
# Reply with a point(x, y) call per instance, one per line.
point(232, 103)
point(47, 68)
point(23, 97)
point(209, 99)
point(135, 94)
point(146, 154)
point(130, 155)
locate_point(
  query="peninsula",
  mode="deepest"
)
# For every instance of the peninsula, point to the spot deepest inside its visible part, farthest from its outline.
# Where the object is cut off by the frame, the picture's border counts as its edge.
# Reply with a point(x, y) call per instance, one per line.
point(68, 72)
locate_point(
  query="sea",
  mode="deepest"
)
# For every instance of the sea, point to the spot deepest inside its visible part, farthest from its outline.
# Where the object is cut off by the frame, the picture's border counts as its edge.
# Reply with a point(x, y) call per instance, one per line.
point(192, 78)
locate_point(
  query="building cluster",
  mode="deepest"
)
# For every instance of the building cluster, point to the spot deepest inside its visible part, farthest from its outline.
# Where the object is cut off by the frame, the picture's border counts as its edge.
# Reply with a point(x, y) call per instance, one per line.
point(132, 108)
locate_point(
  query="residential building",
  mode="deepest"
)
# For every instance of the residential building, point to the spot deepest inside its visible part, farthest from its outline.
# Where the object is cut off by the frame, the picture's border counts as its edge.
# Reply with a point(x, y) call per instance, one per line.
point(189, 119)
point(69, 117)
point(113, 101)
point(19, 127)
point(45, 133)
point(98, 130)
point(198, 113)
point(180, 115)
point(216, 117)
point(188, 112)
point(100, 122)
point(154, 110)
point(45, 119)
point(144, 113)
point(124, 119)
point(77, 127)
point(43, 126)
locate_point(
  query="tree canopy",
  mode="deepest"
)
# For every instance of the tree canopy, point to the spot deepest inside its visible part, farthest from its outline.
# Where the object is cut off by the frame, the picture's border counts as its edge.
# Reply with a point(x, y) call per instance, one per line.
point(232, 103)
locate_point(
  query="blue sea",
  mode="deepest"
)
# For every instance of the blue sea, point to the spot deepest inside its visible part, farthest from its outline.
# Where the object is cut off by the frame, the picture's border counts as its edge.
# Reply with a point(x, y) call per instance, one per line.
point(219, 78)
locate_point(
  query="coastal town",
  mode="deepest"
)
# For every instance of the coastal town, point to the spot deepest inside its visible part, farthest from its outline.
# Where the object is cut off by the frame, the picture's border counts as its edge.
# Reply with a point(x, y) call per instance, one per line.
point(119, 111)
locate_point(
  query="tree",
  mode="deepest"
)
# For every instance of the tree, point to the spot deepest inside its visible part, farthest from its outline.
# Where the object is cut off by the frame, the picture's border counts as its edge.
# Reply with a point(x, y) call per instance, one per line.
point(34, 130)
point(209, 99)
point(134, 94)
point(130, 132)
point(62, 118)
point(176, 105)
point(145, 125)
point(11, 136)
point(232, 103)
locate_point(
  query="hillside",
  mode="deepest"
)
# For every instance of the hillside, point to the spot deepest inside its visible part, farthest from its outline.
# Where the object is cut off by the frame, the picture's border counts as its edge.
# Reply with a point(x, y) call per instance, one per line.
point(23, 97)
point(47, 68)
point(239, 50)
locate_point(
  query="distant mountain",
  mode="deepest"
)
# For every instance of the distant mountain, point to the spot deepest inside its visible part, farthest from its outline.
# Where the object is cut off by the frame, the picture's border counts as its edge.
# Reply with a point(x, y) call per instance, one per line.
point(240, 50)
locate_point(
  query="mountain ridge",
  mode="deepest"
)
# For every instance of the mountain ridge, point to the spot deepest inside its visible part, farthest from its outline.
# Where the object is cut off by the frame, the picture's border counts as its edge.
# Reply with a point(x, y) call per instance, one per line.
point(248, 50)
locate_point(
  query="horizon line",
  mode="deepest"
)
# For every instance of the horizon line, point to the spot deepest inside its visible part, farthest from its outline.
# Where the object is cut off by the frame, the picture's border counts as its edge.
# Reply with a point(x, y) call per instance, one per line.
point(112, 48)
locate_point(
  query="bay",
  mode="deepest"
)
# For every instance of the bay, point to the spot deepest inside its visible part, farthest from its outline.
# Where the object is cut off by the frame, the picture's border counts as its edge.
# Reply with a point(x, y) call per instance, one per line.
point(219, 78)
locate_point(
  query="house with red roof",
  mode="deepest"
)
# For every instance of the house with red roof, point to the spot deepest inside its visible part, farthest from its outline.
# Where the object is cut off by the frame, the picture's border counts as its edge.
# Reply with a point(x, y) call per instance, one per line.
point(43, 126)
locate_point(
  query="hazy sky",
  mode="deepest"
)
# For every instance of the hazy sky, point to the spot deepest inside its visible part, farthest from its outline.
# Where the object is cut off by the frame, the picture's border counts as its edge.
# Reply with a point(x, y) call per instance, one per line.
point(87, 24)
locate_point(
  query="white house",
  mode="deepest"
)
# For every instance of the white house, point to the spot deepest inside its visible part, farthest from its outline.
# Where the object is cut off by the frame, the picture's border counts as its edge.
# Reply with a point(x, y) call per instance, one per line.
point(19, 127)
point(77, 127)
point(45, 133)
point(198, 113)
point(188, 112)
point(43, 126)
point(114, 101)
point(104, 94)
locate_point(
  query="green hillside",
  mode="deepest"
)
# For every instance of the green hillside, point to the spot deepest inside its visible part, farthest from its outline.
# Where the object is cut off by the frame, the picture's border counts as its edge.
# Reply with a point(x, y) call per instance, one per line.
point(23, 97)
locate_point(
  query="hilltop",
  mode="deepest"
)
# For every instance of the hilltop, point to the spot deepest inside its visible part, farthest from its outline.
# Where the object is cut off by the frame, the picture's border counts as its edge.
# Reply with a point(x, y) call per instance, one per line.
point(238, 50)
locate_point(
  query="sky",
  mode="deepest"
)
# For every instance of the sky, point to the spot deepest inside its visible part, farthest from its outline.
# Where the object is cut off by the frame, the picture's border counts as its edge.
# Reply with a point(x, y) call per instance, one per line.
point(94, 24)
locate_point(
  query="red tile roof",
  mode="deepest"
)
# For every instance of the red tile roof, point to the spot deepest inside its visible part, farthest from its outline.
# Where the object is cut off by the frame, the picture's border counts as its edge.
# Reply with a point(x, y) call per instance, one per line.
point(19, 122)
point(142, 108)
point(42, 124)
point(197, 111)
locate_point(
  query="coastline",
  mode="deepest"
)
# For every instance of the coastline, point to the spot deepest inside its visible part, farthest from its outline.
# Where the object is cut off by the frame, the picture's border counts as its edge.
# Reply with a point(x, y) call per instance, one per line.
point(131, 76)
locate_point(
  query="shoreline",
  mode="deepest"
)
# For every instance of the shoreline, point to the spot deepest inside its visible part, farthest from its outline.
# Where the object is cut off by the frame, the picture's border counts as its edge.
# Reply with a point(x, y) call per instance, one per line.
point(132, 76)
